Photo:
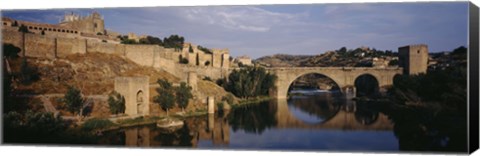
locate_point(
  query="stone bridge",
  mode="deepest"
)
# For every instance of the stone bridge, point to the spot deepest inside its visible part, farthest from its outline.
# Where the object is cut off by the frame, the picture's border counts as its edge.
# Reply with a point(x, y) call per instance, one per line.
point(344, 77)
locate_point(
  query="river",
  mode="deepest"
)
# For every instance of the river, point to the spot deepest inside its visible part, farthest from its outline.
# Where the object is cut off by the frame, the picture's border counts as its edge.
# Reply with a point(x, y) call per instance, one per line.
point(311, 121)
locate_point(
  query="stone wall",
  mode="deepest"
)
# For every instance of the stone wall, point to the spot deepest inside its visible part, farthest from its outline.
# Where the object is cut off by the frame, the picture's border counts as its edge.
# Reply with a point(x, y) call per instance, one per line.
point(12, 37)
point(39, 46)
point(100, 47)
point(167, 59)
point(69, 46)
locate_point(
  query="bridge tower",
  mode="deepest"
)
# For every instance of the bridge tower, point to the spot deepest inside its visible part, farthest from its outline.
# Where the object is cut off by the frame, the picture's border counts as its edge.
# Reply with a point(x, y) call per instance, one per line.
point(413, 59)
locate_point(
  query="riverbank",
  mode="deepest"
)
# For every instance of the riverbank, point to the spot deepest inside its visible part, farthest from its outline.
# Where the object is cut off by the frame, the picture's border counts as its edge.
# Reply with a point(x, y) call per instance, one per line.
point(246, 102)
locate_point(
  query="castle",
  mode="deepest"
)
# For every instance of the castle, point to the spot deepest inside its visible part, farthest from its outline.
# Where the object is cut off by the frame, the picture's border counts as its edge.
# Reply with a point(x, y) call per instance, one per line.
point(77, 34)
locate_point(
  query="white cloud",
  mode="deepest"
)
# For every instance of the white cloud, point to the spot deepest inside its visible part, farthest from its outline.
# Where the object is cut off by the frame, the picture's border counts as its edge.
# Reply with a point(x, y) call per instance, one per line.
point(245, 18)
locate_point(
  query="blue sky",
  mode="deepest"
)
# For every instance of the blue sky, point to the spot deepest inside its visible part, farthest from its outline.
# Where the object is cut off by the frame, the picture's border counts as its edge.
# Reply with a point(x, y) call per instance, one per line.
point(288, 29)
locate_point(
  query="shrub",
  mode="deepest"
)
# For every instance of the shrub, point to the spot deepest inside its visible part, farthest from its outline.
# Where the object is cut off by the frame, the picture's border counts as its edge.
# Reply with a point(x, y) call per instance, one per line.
point(116, 103)
point(183, 95)
point(228, 98)
point(184, 61)
point(93, 124)
point(73, 100)
point(166, 96)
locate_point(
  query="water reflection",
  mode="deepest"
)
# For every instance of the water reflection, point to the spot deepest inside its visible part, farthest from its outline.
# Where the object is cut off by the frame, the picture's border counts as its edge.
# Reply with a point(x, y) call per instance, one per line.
point(315, 107)
point(340, 125)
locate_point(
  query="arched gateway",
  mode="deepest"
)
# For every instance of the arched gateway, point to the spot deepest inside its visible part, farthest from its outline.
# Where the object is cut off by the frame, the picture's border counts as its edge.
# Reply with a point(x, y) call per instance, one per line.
point(344, 77)
point(136, 93)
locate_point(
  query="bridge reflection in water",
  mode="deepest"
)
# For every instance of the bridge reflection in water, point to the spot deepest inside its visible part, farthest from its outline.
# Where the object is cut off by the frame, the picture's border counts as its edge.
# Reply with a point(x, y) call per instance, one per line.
point(215, 131)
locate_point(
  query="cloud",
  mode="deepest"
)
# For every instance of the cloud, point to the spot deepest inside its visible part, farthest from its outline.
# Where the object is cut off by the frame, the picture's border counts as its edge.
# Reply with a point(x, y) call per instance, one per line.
point(244, 18)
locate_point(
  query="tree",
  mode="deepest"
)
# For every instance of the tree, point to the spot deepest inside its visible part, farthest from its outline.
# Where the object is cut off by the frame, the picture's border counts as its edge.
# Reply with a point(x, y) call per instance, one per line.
point(28, 74)
point(184, 61)
point(190, 49)
point(197, 60)
point(10, 51)
point(204, 49)
point(166, 96)
point(74, 100)
point(174, 41)
point(183, 95)
point(23, 28)
point(250, 82)
point(116, 103)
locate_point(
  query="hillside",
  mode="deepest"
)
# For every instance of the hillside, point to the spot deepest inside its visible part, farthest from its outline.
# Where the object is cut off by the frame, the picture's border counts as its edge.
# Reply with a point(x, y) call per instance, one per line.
point(93, 73)
point(359, 57)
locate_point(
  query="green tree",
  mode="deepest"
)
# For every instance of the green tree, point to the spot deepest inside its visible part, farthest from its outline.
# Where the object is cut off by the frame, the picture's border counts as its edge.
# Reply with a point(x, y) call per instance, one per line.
point(166, 96)
point(183, 95)
point(190, 49)
point(197, 60)
point(204, 49)
point(116, 103)
point(250, 82)
point(174, 41)
point(28, 74)
point(23, 28)
point(10, 51)
point(74, 100)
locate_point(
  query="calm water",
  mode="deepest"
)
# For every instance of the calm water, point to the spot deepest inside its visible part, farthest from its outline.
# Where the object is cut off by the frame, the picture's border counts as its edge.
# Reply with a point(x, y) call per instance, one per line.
point(318, 121)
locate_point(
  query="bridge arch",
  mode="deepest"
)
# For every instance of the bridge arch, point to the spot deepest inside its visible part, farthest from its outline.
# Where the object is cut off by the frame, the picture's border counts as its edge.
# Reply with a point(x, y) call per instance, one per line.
point(290, 83)
point(367, 84)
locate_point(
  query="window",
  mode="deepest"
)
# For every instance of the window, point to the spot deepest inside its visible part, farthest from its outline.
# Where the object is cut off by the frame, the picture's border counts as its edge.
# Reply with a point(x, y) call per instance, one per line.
point(30, 27)
point(49, 29)
point(63, 30)
point(95, 25)
point(76, 32)
point(54, 29)
point(418, 51)
point(35, 28)
point(4, 23)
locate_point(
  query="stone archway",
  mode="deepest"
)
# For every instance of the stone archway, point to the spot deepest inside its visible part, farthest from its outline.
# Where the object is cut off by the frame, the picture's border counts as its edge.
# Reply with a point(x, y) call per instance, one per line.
point(136, 93)
point(366, 85)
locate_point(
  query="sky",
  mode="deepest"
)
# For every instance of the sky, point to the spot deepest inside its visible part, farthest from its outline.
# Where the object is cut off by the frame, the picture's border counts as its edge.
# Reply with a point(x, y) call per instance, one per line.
point(302, 29)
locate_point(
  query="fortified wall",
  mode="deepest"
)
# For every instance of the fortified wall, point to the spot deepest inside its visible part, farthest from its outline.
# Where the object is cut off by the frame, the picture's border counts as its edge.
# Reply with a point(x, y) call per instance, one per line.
point(213, 65)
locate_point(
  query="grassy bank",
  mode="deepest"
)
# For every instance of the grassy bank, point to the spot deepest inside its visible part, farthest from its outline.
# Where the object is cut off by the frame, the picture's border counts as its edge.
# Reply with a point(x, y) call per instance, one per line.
point(244, 102)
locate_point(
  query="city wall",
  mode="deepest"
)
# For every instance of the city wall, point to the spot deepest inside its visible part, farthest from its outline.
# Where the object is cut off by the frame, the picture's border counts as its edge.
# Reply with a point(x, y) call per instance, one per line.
point(45, 46)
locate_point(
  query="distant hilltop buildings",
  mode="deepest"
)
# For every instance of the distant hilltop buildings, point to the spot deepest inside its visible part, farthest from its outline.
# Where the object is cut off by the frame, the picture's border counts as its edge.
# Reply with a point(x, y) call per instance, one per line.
point(71, 26)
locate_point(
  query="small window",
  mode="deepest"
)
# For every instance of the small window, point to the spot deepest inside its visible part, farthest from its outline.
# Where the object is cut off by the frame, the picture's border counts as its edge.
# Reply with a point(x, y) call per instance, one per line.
point(54, 29)
point(35, 28)
point(4, 23)
point(63, 30)
point(418, 51)
point(30, 27)
point(76, 32)
point(95, 25)
point(49, 29)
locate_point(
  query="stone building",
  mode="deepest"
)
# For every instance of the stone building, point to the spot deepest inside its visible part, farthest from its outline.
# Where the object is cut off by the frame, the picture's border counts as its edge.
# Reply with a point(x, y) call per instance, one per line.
point(91, 24)
point(136, 92)
point(413, 59)
point(244, 60)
